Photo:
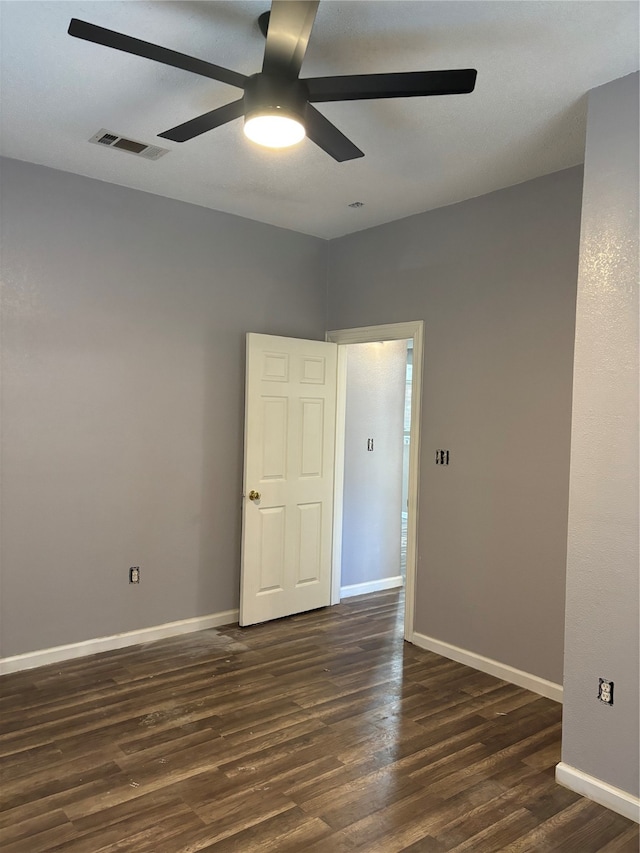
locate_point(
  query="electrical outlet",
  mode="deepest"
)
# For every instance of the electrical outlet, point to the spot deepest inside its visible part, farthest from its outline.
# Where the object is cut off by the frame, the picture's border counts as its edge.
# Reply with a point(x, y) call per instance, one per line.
point(442, 457)
point(134, 574)
point(605, 691)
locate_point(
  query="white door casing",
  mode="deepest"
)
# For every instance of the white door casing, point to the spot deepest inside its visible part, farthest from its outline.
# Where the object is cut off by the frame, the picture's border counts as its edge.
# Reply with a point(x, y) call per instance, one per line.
point(365, 334)
point(289, 444)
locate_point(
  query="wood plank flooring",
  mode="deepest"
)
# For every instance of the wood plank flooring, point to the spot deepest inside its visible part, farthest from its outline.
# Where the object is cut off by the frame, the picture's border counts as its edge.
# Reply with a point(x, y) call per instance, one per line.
point(321, 733)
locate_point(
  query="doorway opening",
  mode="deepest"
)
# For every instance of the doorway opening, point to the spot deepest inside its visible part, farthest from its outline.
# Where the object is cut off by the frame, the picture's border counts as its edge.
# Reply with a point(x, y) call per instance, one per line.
point(377, 453)
point(374, 491)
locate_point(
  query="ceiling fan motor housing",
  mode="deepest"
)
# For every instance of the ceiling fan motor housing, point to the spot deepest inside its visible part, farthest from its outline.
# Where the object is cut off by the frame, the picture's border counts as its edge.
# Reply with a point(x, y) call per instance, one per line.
point(267, 94)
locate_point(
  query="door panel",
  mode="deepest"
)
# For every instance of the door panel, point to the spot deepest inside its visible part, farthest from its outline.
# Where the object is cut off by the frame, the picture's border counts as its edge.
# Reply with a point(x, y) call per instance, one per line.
point(309, 544)
point(289, 460)
point(271, 549)
point(312, 433)
point(274, 438)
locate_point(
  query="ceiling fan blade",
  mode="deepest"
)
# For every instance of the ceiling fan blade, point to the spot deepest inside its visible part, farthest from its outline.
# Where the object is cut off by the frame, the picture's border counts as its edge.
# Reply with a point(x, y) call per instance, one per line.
point(328, 137)
point(127, 44)
point(405, 84)
point(290, 24)
point(205, 122)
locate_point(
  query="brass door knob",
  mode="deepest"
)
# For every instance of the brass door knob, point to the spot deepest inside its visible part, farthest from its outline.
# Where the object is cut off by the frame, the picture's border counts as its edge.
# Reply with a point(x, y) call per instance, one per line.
point(253, 495)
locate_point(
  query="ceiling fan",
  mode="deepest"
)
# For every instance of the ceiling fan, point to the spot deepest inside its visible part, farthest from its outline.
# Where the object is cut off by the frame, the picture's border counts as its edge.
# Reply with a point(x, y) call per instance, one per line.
point(277, 104)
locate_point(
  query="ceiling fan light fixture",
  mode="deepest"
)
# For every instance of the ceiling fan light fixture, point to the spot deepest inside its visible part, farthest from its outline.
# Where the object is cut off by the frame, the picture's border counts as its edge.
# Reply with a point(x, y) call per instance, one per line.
point(274, 109)
point(277, 105)
point(274, 129)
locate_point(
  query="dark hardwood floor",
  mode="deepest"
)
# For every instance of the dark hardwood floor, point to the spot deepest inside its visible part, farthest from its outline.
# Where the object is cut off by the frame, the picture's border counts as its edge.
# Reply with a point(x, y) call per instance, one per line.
point(320, 733)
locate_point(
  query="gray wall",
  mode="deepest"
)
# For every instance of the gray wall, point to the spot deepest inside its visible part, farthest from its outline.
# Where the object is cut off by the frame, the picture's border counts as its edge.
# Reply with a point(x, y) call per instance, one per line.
point(602, 562)
point(123, 323)
point(373, 479)
point(494, 279)
point(123, 346)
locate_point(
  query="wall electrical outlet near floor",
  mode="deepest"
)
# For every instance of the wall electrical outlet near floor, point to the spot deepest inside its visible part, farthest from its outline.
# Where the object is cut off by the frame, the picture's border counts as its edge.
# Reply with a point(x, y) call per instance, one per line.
point(605, 691)
point(134, 574)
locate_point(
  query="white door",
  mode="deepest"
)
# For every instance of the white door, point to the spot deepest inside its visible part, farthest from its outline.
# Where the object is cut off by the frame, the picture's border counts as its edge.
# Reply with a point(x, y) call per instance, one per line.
point(288, 477)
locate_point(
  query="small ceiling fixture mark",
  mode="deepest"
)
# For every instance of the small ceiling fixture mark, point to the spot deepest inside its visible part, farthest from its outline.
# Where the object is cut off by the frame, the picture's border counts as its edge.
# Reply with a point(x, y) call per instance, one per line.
point(356, 204)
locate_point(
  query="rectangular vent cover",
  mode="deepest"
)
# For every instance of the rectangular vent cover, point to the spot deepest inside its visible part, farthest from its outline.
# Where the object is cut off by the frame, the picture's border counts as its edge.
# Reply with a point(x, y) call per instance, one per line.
point(140, 149)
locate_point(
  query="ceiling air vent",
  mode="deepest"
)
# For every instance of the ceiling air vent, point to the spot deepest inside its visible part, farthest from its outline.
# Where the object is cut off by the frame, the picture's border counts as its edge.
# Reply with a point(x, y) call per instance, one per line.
point(140, 149)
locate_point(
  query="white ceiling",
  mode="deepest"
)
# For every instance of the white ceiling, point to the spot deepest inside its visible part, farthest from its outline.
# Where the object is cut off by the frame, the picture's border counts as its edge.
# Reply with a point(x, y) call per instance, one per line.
point(535, 62)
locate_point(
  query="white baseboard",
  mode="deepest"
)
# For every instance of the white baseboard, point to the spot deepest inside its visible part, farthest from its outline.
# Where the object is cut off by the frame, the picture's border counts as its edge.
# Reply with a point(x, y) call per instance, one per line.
point(493, 667)
point(115, 641)
point(370, 586)
point(600, 792)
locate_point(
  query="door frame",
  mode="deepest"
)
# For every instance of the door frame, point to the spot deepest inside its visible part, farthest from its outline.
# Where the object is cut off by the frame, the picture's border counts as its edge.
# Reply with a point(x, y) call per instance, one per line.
point(362, 335)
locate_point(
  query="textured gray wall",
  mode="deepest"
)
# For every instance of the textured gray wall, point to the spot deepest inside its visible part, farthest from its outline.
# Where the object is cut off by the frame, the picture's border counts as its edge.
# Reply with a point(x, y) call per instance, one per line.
point(123, 337)
point(603, 607)
point(124, 317)
point(373, 479)
point(494, 279)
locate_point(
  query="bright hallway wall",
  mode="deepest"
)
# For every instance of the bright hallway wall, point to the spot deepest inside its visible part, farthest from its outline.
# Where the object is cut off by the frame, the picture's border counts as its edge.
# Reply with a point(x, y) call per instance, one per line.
point(372, 495)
